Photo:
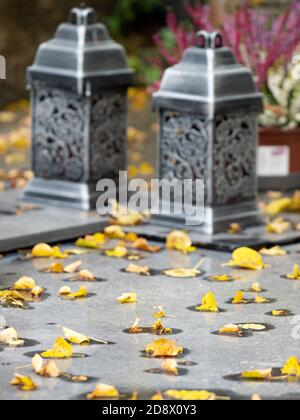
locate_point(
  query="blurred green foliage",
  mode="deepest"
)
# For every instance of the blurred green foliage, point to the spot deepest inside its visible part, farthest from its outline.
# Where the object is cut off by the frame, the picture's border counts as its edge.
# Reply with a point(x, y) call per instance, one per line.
point(133, 23)
point(128, 12)
point(146, 74)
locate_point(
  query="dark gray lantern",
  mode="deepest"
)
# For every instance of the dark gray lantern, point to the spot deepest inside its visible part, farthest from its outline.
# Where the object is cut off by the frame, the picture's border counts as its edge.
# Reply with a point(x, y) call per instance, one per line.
point(208, 106)
point(78, 83)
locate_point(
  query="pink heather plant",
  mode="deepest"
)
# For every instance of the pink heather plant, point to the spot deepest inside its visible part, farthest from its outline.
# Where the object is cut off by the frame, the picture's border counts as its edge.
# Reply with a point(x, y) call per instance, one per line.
point(259, 39)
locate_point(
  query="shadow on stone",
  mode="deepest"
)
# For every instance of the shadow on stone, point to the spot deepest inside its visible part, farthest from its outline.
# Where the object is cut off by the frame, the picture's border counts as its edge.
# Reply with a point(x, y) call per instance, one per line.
point(158, 371)
point(286, 314)
point(31, 354)
point(193, 309)
point(149, 330)
point(146, 355)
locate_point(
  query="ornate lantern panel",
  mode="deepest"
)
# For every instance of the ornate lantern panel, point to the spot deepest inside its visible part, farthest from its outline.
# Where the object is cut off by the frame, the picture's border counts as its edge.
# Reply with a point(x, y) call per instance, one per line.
point(79, 85)
point(208, 106)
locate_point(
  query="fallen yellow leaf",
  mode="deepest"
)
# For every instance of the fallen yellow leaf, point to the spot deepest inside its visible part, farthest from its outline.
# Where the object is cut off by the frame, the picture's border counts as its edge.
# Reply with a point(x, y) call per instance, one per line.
point(127, 298)
point(61, 350)
point(221, 278)
point(85, 275)
point(75, 337)
point(118, 252)
point(131, 237)
point(65, 290)
point(24, 382)
point(278, 226)
point(163, 347)
point(235, 228)
point(275, 251)
point(252, 327)
point(134, 396)
point(239, 298)
point(37, 291)
point(295, 204)
point(170, 366)
point(115, 232)
point(257, 374)
point(185, 395)
point(185, 272)
point(73, 268)
point(95, 241)
point(291, 367)
point(278, 206)
point(137, 269)
point(179, 241)
point(24, 283)
point(10, 337)
point(157, 397)
point(81, 293)
point(46, 251)
point(129, 219)
point(259, 299)
point(246, 258)
point(256, 397)
point(209, 304)
point(57, 253)
point(160, 329)
point(295, 274)
point(45, 368)
point(42, 251)
point(12, 298)
point(125, 217)
point(103, 391)
point(230, 329)
point(280, 312)
point(135, 329)
point(255, 287)
point(143, 245)
point(160, 312)
point(182, 273)
point(56, 268)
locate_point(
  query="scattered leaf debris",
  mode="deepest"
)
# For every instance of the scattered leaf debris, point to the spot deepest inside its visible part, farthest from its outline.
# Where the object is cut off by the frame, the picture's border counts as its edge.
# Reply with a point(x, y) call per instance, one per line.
point(25, 383)
point(61, 350)
point(137, 269)
point(246, 258)
point(209, 304)
point(180, 241)
point(164, 348)
point(275, 251)
point(103, 391)
point(128, 298)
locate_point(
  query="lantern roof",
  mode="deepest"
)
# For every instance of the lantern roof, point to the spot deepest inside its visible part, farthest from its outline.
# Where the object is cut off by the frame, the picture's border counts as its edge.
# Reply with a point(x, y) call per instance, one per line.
point(208, 79)
point(82, 55)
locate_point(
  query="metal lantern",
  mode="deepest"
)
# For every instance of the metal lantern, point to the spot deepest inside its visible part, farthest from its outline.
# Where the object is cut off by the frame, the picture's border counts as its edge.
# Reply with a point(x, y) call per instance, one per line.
point(208, 106)
point(78, 83)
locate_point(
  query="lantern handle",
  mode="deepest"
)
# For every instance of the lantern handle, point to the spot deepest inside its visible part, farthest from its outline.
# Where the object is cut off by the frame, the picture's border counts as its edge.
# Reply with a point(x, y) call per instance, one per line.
point(210, 40)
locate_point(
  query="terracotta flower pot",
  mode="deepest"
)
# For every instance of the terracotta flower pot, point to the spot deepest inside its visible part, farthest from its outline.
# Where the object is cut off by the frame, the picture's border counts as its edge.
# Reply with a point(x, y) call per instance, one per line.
point(279, 159)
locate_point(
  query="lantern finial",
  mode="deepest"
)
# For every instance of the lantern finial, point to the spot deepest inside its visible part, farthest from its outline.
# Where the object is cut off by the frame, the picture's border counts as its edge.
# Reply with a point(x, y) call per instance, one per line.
point(210, 40)
point(83, 15)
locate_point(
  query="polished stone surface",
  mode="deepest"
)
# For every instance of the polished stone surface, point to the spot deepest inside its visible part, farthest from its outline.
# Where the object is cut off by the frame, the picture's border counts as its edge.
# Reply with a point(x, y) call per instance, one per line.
point(121, 364)
point(52, 224)
point(41, 224)
point(255, 237)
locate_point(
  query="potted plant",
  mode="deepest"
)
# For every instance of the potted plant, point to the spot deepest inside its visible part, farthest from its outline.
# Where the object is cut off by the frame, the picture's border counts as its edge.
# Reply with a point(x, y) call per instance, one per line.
point(266, 42)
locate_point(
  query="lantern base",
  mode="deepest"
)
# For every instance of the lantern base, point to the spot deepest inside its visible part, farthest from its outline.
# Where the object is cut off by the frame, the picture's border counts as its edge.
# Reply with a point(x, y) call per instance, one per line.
point(55, 193)
point(216, 219)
